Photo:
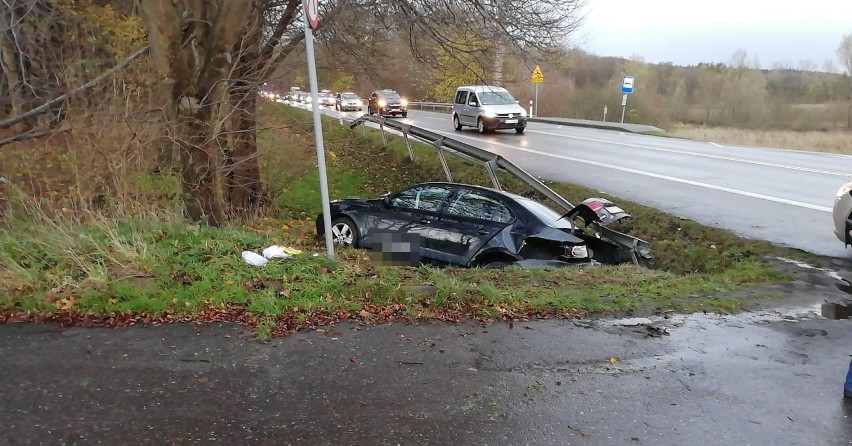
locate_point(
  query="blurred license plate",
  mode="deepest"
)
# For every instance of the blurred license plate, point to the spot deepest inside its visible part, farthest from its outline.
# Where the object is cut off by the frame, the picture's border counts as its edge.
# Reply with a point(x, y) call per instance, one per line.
point(511, 121)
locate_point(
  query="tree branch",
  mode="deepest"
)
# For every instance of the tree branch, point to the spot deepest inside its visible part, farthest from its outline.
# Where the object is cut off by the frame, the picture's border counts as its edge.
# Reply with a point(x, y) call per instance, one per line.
point(30, 135)
point(59, 99)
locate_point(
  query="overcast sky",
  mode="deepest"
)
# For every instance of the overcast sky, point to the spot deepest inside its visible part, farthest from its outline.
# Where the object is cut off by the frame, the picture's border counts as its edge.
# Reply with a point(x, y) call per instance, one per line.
point(686, 32)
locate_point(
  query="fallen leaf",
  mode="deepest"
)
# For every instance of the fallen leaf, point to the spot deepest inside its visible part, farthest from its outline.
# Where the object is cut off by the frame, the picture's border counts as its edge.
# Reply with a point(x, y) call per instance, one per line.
point(112, 301)
point(354, 361)
point(202, 380)
point(473, 369)
point(322, 270)
point(613, 360)
point(66, 303)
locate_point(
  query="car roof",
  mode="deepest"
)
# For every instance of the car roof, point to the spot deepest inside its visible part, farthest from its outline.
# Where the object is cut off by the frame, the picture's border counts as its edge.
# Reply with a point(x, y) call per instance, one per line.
point(481, 88)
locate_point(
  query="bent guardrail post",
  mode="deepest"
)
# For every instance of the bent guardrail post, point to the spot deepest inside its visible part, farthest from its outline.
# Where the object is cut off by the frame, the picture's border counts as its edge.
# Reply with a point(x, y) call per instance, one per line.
point(439, 147)
point(489, 166)
point(408, 145)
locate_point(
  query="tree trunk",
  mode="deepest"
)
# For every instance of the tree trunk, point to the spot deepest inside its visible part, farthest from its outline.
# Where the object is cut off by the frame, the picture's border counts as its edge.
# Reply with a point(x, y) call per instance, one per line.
point(244, 187)
point(9, 60)
point(198, 166)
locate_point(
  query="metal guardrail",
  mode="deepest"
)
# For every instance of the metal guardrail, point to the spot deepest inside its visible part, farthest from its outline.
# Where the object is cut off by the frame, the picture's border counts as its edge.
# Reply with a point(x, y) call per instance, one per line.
point(433, 106)
point(492, 162)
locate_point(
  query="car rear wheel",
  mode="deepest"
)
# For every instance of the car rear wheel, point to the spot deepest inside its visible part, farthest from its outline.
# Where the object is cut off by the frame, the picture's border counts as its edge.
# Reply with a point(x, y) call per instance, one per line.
point(495, 265)
point(519, 130)
point(344, 232)
point(480, 125)
point(457, 123)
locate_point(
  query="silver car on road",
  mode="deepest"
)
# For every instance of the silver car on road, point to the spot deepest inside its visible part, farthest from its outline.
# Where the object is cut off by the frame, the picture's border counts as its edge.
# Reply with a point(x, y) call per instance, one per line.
point(487, 108)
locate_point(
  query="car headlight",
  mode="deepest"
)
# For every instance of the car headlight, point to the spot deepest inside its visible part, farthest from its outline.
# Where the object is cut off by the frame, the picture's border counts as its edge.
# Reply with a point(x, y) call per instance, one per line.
point(382, 103)
point(577, 252)
point(360, 104)
point(490, 114)
point(523, 113)
point(404, 102)
point(847, 188)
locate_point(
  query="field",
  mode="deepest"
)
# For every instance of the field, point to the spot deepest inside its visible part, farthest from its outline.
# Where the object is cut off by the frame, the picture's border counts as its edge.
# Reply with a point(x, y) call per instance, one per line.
point(834, 141)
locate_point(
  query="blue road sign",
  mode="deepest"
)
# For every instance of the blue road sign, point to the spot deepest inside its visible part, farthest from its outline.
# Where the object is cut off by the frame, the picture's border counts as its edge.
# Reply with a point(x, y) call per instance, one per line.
point(627, 83)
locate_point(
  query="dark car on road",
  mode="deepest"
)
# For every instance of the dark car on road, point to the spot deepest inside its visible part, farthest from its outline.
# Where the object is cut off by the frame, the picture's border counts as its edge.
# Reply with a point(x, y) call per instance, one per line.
point(464, 225)
point(387, 102)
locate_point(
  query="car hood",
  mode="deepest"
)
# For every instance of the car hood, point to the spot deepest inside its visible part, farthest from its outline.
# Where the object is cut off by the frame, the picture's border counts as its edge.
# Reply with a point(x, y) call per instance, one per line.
point(558, 235)
point(504, 108)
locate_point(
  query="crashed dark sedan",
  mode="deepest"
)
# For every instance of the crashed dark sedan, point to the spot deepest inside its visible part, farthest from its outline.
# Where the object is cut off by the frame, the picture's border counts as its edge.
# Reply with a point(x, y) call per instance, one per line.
point(471, 226)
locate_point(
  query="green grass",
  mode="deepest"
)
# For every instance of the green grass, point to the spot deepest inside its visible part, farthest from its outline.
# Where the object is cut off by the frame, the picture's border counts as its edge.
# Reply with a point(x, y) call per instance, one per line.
point(101, 266)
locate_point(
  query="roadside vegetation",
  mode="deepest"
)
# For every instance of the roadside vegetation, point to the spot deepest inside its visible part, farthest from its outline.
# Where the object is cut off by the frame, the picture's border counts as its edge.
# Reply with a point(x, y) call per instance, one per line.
point(107, 267)
point(135, 169)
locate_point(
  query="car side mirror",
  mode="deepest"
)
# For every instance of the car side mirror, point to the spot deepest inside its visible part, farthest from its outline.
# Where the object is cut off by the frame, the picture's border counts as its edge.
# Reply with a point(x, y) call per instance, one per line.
point(386, 200)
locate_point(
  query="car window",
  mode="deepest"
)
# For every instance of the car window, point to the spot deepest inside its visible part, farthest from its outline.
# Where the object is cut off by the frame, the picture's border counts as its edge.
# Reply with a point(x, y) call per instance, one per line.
point(475, 205)
point(390, 95)
point(497, 98)
point(426, 198)
point(350, 96)
point(461, 97)
point(472, 98)
point(544, 213)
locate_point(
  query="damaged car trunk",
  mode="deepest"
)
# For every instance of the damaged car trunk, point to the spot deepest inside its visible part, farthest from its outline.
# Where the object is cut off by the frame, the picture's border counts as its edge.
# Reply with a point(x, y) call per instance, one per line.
point(464, 225)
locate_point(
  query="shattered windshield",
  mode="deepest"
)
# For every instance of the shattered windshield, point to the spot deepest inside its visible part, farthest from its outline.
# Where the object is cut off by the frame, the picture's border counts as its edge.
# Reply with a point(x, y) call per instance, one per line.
point(390, 95)
point(496, 98)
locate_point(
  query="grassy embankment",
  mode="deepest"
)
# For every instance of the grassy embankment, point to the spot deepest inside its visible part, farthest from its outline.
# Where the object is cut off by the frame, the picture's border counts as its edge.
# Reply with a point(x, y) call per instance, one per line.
point(99, 270)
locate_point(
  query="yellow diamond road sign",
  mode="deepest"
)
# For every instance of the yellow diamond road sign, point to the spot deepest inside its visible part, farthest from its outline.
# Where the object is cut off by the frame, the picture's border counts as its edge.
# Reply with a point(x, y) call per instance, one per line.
point(537, 76)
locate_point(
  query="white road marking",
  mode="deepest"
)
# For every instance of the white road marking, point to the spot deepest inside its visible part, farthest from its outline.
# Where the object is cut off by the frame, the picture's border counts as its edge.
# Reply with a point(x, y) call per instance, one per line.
point(654, 175)
point(436, 119)
point(713, 143)
point(703, 155)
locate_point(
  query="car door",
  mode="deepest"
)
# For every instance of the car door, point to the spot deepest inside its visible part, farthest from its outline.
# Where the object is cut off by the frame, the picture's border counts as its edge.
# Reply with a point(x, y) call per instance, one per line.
point(471, 111)
point(408, 217)
point(459, 104)
point(469, 221)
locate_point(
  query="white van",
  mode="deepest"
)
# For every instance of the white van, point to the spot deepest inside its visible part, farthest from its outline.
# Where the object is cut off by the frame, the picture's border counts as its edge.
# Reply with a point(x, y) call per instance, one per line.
point(487, 108)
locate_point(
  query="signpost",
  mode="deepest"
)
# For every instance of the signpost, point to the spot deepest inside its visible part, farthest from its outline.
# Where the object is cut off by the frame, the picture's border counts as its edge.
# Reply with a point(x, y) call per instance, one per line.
point(537, 78)
point(627, 84)
point(311, 22)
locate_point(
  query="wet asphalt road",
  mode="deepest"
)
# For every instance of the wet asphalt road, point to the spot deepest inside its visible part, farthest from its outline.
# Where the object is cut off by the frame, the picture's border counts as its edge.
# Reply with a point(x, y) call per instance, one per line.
point(758, 379)
point(782, 196)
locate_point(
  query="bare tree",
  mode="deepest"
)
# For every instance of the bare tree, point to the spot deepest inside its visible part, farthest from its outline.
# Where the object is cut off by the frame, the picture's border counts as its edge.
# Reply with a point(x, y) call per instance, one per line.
point(844, 53)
